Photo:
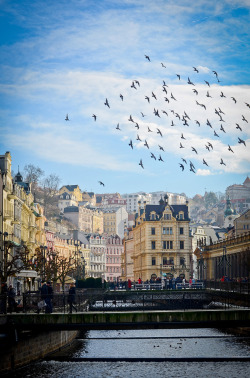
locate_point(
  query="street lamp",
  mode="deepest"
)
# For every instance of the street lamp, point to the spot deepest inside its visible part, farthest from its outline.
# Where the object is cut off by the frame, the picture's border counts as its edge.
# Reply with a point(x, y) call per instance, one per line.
point(201, 265)
point(224, 261)
point(4, 256)
point(43, 248)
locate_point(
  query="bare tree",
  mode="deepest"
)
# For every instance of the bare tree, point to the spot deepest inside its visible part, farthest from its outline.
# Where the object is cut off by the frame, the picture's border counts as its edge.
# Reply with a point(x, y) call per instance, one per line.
point(49, 197)
point(33, 174)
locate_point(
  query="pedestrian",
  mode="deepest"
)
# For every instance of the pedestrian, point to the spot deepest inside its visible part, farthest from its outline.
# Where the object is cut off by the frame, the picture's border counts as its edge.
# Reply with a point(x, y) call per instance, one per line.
point(72, 298)
point(11, 299)
point(49, 307)
point(190, 282)
point(129, 284)
point(139, 281)
point(44, 297)
point(173, 283)
point(4, 292)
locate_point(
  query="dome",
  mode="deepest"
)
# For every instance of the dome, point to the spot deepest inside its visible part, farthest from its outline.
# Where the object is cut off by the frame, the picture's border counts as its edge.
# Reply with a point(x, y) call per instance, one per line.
point(229, 210)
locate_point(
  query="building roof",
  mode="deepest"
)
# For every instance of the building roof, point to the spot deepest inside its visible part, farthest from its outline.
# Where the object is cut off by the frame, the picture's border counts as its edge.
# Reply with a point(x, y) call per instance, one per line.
point(70, 187)
point(159, 209)
point(247, 181)
point(71, 209)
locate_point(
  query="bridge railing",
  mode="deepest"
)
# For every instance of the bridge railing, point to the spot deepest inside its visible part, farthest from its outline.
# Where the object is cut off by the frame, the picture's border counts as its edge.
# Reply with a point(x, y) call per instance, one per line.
point(231, 286)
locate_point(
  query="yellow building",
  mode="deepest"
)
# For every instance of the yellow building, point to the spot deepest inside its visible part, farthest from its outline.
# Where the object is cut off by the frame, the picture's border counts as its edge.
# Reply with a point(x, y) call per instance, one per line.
point(72, 189)
point(162, 243)
point(97, 222)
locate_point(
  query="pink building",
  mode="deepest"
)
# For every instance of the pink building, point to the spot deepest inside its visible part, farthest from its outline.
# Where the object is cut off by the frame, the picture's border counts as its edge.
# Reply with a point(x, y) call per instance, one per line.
point(113, 258)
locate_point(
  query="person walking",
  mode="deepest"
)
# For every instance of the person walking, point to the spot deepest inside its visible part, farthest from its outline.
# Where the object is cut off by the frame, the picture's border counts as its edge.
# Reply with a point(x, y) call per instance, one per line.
point(4, 293)
point(11, 299)
point(44, 297)
point(72, 298)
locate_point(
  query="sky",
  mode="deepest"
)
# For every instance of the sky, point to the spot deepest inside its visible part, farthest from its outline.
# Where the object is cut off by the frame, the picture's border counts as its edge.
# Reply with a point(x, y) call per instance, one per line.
point(67, 57)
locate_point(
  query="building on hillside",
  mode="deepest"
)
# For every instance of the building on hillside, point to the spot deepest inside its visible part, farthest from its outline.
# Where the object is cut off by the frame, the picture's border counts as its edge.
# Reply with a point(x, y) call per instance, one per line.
point(89, 197)
point(80, 216)
point(239, 195)
point(242, 223)
point(152, 198)
point(66, 199)
point(97, 221)
point(72, 189)
point(127, 264)
point(229, 215)
point(113, 258)
point(109, 200)
point(162, 243)
point(114, 220)
point(97, 256)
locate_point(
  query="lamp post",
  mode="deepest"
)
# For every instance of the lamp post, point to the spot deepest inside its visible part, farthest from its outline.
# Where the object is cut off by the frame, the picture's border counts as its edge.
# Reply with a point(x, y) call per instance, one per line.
point(224, 262)
point(43, 248)
point(201, 265)
point(4, 256)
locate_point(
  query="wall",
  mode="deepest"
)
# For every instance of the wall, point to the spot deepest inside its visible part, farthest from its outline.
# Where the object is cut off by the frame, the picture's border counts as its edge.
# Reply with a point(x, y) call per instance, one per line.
point(32, 346)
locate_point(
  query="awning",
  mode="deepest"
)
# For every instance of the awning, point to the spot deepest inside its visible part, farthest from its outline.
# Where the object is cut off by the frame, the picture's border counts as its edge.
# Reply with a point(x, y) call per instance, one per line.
point(27, 274)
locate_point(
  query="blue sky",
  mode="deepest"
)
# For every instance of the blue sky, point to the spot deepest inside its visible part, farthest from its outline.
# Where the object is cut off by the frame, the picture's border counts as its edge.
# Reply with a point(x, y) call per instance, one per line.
point(67, 57)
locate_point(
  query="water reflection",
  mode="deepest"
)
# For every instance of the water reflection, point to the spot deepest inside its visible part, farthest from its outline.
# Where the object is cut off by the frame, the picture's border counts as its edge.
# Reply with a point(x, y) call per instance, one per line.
point(147, 343)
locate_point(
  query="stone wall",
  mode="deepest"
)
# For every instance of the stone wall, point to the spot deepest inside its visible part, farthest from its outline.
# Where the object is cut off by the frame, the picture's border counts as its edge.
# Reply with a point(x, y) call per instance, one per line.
point(20, 350)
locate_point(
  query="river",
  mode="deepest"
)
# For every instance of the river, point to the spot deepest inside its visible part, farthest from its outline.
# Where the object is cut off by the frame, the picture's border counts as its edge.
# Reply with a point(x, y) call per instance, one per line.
point(147, 344)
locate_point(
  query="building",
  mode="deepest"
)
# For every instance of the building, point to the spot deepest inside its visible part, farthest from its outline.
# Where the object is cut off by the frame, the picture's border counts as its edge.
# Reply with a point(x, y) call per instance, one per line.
point(80, 216)
point(97, 256)
point(114, 220)
point(239, 195)
point(127, 263)
point(152, 198)
point(114, 252)
point(242, 223)
point(162, 242)
point(72, 189)
point(66, 200)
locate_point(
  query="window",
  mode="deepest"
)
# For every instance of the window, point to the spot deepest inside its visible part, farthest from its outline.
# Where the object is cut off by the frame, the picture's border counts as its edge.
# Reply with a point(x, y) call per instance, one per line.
point(164, 244)
point(181, 216)
point(169, 244)
point(167, 216)
point(153, 244)
point(181, 244)
point(152, 216)
point(152, 230)
point(181, 231)
point(165, 261)
point(153, 260)
point(167, 231)
point(182, 260)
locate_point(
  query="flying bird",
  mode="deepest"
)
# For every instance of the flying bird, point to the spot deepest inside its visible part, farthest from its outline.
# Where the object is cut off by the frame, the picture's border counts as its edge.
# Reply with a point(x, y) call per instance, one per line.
point(161, 148)
point(222, 162)
point(138, 138)
point(131, 144)
point(207, 83)
point(101, 183)
point(222, 95)
point(166, 99)
point(147, 57)
point(186, 115)
point(164, 83)
point(137, 82)
point(220, 111)
point(107, 103)
point(215, 74)
point(143, 115)
point(172, 124)
point(131, 119)
point(179, 76)
point(164, 90)
point(185, 161)
point(230, 149)
point(194, 150)
point(238, 127)
point(164, 111)
point(156, 113)
point(195, 91)
point(94, 116)
point(204, 162)
point(190, 82)
point(195, 69)
point(147, 98)
point(173, 97)
point(181, 146)
point(146, 144)
point(153, 95)
point(159, 132)
point(222, 129)
point(215, 134)
point(192, 169)
point(136, 125)
point(248, 105)
point(141, 164)
point(117, 127)
point(182, 136)
point(149, 131)
point(182, 166)
point(234, 99)
point(198, 123)
point(67, 117)
point(163, 65)
point(121, 96)
point(209, 124)
point(133, 85)
point(208, 95)
point(210, 145)
point(241, 141)
point(244, 119)
point(153, 156)
point(160, 158)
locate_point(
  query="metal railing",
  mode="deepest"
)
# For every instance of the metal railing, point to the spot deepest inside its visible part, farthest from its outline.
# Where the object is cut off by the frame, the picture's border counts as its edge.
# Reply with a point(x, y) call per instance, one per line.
point(231, 286)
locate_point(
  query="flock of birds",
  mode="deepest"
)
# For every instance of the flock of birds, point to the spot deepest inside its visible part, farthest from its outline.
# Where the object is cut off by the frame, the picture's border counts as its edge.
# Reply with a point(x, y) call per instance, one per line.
point(170, 99)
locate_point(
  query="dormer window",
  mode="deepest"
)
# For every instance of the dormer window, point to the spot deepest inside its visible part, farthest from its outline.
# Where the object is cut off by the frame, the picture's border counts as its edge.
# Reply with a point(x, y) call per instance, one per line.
point(152, 216)
point(181, 216)
point(167, 216)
